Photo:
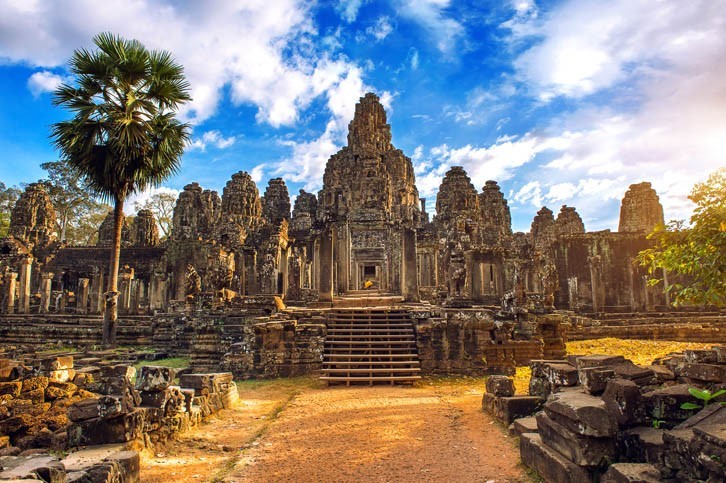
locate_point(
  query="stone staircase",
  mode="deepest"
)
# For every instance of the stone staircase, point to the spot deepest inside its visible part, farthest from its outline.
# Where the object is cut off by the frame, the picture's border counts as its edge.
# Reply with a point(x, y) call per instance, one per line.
point(370, 345)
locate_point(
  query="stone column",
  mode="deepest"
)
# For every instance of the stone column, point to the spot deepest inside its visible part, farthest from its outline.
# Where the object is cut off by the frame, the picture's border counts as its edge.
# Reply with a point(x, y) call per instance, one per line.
point(409, 278)
point(46, 286)
point(97, 293)
point(24, 285)
point(342, 258)
point(82, 296)
point(9, 295)
point(476, 280)
point(326, 266)
point(127, 277)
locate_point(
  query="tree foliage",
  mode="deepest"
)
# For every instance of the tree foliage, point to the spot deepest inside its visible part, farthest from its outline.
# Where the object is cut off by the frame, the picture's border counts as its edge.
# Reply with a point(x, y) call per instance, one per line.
point(8, 197)
point(696, 252)
point(124, 135)
point(75, 209)
point(162, 205)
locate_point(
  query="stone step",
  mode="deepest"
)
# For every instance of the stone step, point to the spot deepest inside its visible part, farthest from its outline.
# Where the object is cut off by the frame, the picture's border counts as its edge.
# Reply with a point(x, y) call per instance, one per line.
point(370, 379)
point(372, 363)
point(376, 370)
point(347, 355)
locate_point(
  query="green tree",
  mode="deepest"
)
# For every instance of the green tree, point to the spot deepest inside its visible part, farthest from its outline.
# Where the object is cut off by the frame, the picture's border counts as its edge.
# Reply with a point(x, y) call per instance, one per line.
point(696, 252)
point(70, 199)
point(162, 205)
point(124, 135)
point(8, 197)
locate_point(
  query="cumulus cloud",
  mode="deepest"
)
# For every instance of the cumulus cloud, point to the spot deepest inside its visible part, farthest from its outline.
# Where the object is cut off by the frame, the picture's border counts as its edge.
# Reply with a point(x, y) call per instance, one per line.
point(211, 138)
point(259, 50)
point(44, 81)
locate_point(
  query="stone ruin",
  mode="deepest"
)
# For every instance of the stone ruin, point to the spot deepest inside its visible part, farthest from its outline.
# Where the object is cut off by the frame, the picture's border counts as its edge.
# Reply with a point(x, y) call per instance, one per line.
point(247, 287)
point(603, 418)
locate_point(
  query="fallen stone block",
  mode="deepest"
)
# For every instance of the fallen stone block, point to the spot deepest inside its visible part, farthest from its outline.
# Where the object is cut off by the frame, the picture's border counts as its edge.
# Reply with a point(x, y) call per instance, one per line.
point(34, 383)
point(665, 403)
point(12, 388)
point(122, 371)
point(55, 363)
point(631, 473)
point(540, 387)
point(507, 409)
point(230, 396)
point(581, 413)
point(643, 443)
point(44, 468)
point(550, 465)
point(595, 379)
point(661, 374)
point(704, 372)
point(628, 370)
point(523, 425)
point(693, 356)
point(16, 424)
point(84, 409)
point(500, 386)
point(560, 374)
point(126, 427)
point(581, 450)
point(62, 375)
point(155, 378)
point(623, 402)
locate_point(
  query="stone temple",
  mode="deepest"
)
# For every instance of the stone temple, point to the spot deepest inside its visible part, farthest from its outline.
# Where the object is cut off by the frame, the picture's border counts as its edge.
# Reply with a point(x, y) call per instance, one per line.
point(249, 283)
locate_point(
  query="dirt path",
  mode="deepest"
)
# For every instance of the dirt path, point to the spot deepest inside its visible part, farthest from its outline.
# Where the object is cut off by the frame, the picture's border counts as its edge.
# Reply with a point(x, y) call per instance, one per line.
point(298, 430)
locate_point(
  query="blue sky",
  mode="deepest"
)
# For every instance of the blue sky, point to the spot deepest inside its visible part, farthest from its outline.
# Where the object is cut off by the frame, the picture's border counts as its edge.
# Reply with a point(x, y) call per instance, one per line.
point(561, 102)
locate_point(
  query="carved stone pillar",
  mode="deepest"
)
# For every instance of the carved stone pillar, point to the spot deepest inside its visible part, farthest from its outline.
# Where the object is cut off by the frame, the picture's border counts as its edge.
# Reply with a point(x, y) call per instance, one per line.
point(409, 287)
point(97, 293)
point(9, 295)
point(82, 296)
point(46, 286)
point(127, 276)
point(326, 266)
point(24, 285)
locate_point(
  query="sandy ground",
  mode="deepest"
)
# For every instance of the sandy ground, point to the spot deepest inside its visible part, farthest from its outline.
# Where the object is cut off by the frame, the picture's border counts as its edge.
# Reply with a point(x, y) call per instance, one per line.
point(300, 430)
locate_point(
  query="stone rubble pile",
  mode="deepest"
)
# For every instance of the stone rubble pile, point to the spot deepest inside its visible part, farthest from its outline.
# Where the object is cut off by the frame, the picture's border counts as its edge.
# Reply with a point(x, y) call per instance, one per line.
point(97, 411)
point(606, 419)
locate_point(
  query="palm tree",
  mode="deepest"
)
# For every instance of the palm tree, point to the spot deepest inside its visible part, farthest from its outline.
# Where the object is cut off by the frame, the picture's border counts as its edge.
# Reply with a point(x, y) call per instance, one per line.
point(123, 136)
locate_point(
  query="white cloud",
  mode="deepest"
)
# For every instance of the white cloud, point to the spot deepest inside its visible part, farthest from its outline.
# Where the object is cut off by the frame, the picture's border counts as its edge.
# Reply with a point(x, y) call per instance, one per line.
point(261, 50)
point(258, 172)
point(431, 15)
point(211, 138)
point(414, 59)
point(348, 9)
point(44, 81)
point(381, 29)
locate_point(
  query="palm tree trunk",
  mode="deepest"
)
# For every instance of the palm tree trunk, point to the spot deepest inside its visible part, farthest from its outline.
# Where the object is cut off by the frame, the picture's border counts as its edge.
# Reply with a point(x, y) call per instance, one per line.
point(110, 314)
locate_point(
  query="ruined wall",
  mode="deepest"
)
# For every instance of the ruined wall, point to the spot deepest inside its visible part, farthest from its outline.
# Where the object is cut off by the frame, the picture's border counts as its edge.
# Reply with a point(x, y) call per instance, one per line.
point(33, 217)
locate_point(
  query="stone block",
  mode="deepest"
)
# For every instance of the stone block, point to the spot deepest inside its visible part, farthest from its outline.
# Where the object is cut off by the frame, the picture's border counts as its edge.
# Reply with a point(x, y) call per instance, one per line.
point(35, 383)
point(56, 363)
point(581, 450)
point(538, 366)
point(42, 468)
point(523, 425)
point(631, 473)
point(560, 374)
point(661, 374)
point(507, 409)
point(595, 379)
point(704, 372)
point(693, 356)
point(623, 402)
point(84, 409)
point(720, 351)
point(16, 424)
point(230, 396)
point(598, 360)
point(632, 372)
point(551, 466)
point(665, 403)
point(540, 387)
point(500, 386)
point(155, 378)
point(62, 375)
point(113, 405)
point(121, 429)
point(12, 388)
point(122, 371)
point(129, 465)
point(581, 413)
point(643, 443)
point(58, 390)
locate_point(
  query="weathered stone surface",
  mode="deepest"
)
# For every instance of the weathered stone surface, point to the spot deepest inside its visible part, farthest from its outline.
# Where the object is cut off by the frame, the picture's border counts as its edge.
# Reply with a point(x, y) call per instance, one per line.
point(581, 413)
point(507, 409)
point(196, 213)
point(33, 217)
point(276, 202)
point(144, 232)
point(568, 222)
point(623, 402)
point(155, 378)
point(501, 386)
point(631, 473)
point(704, 372)
point(523, 425)
point(640, 210)
point(36, 468)
point(581, 450)
point(106, 230)
point(665, 403)
point(595, 379)
point(550, 465)
point(543, 229)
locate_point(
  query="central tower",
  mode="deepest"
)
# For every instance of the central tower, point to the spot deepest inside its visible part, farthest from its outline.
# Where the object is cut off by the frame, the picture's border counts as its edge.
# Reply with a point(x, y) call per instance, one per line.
point(369, 209)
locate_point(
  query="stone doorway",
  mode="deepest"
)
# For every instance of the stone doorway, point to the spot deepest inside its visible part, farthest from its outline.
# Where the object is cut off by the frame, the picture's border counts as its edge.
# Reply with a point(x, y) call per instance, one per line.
point(369, 276)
